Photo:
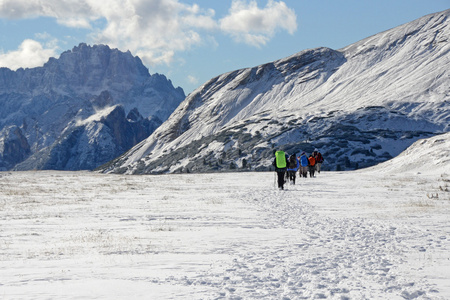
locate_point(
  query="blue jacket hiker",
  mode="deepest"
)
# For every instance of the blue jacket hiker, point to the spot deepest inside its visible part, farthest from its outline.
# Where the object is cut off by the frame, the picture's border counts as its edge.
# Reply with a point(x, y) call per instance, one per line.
point(303, 172)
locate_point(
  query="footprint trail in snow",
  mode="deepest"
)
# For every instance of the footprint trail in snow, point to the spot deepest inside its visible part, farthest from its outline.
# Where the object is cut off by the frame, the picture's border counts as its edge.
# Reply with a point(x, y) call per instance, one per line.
point(320, 257)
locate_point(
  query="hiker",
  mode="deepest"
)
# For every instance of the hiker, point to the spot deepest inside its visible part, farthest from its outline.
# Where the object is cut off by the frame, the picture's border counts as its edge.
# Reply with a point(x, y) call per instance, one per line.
point(293, 165)
point(303, 171)
point(319, 160)
point(312, 165)
point(280, 164)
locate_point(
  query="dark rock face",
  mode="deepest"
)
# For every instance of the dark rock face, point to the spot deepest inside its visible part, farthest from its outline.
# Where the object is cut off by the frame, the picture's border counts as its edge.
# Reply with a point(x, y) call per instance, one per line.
point(88, 145)
point(48, 104)
point(13, 147)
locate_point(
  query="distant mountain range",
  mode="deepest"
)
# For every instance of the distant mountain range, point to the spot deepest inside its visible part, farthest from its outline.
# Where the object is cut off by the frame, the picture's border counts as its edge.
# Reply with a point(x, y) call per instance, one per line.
point(81, 110)
point(359, 106)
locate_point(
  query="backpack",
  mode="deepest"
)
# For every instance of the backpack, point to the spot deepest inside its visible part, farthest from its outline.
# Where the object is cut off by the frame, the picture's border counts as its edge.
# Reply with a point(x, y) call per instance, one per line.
point(292, 162)
point(319, 158)
point(304, 160)
point(312, 161)
point(280, 159)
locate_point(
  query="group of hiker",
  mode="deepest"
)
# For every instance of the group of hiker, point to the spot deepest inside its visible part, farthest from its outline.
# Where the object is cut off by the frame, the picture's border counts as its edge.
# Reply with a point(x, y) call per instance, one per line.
point(286, 166)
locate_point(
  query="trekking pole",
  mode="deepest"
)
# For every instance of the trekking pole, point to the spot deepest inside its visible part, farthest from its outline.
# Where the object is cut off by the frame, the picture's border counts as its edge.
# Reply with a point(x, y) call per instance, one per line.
point(275, 180)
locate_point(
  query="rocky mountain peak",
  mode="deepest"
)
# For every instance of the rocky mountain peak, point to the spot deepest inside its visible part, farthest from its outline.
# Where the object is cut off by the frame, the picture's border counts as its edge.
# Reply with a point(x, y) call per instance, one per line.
point(95, 67)
point(50, 101)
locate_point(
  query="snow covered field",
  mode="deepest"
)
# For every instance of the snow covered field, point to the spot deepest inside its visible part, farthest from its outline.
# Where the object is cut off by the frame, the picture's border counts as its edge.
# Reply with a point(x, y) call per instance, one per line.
point(342, 235)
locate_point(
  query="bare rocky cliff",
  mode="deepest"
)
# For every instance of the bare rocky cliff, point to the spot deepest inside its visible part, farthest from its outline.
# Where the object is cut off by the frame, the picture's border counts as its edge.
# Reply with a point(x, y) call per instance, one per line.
point(49, 103)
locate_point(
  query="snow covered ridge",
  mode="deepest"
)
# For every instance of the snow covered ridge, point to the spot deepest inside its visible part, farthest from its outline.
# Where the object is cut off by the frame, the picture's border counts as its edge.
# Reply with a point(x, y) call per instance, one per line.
point(360, 105)
point(424, 156)
point(80, 110)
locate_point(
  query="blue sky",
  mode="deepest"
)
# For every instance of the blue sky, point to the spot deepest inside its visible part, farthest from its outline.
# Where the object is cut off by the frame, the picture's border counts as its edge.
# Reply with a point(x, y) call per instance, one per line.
point(192, 41)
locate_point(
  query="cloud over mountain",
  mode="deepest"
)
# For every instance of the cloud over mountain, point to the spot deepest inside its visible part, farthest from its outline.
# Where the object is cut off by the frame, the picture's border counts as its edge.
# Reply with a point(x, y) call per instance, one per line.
point(254, 26)
point(30, 51)
point(155, 30)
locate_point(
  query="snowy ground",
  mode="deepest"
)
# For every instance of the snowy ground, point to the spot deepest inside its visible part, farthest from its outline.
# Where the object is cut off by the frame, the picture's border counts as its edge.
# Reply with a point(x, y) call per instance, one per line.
point(350, 235)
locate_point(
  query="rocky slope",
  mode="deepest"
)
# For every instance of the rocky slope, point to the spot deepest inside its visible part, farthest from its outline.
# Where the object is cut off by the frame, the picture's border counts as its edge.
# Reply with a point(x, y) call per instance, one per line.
point(52, 109)
point(359, 106)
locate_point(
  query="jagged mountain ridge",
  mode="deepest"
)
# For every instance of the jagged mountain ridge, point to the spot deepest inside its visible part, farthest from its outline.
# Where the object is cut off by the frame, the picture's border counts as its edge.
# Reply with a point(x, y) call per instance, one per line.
point(359, 105)
point(47, 104)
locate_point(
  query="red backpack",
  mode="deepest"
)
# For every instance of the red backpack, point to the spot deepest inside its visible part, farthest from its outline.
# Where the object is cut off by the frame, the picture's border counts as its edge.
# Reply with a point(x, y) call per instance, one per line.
point(319, 158)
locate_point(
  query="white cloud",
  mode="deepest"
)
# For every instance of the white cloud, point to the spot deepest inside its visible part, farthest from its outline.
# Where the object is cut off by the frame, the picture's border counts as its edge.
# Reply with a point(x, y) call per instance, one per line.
point(157, 30)
point(47, 40)
point(67, 12)
point(192, 79)
point(255, 26)
point(30, 54)
point(153, 29)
